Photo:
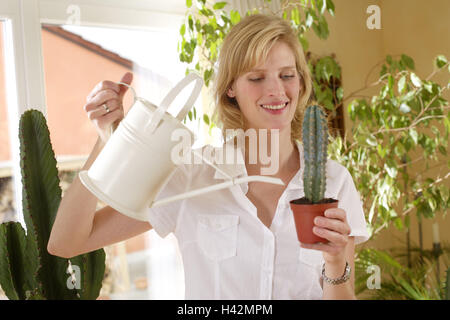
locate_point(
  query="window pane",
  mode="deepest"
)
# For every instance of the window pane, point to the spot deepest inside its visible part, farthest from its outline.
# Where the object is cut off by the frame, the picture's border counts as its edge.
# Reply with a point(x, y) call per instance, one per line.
point(7, 193)
point(7, 190)
point(75, 60)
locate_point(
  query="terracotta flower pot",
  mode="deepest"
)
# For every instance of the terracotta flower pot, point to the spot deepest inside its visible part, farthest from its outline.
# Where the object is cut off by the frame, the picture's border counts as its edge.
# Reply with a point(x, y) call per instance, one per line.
point(304, 214)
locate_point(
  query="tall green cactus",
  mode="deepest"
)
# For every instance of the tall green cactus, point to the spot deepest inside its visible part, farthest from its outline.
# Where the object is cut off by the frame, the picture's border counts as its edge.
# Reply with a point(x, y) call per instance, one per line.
point(27, 270)
point(315, 144)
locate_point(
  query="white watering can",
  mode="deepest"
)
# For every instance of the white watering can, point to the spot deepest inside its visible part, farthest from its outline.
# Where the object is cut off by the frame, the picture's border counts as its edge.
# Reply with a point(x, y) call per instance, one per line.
point(135, 163)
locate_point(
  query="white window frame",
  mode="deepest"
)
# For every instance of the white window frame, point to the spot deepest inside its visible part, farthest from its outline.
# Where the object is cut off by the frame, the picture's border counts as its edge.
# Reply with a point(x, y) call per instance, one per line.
point(22, 19)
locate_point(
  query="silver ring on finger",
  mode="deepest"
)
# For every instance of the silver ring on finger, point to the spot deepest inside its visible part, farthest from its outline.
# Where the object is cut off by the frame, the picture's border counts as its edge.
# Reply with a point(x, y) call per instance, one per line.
point(106, 108)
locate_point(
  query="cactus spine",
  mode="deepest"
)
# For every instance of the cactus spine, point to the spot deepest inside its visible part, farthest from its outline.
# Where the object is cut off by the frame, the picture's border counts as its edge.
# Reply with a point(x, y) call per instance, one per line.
point(27, 270)
point(315, 144)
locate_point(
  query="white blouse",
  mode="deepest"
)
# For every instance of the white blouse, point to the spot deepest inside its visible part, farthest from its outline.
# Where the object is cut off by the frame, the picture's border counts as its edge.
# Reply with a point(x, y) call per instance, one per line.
point(228, 253)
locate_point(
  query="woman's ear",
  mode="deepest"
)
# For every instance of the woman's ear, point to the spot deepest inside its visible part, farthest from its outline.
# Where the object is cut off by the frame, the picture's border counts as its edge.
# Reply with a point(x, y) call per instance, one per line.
point(230, 93)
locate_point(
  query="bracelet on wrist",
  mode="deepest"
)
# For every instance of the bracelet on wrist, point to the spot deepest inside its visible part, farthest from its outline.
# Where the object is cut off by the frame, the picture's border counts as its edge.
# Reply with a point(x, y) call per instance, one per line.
point(339, 280)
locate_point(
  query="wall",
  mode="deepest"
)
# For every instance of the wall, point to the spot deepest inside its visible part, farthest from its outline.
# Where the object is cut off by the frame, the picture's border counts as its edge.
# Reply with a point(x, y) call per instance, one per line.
point(71, 72)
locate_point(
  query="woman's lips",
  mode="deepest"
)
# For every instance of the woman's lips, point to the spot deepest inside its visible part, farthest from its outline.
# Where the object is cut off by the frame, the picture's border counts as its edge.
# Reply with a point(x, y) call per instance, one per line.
point(276, 111)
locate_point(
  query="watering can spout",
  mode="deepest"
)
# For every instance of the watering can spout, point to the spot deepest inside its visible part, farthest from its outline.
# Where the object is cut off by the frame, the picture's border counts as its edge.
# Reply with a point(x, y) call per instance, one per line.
point(215, 187)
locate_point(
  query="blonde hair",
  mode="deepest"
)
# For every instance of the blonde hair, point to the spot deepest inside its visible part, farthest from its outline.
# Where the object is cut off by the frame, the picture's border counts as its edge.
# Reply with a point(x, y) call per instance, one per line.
point(246, 45)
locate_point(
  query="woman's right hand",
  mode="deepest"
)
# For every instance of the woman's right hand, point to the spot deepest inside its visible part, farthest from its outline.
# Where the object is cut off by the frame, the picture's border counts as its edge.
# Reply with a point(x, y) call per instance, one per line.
point(110, 94)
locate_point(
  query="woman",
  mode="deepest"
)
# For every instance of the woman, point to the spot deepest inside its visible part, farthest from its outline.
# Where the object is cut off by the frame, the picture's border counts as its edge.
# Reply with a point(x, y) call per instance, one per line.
point(237, 243)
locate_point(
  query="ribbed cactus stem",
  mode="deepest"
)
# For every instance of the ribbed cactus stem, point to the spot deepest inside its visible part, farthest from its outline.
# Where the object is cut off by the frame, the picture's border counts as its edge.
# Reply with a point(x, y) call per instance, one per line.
point(315, 144)
point(27, 270)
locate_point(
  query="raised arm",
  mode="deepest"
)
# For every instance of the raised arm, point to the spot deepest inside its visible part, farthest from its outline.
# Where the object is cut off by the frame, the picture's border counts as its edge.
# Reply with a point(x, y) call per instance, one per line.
point(78, 227)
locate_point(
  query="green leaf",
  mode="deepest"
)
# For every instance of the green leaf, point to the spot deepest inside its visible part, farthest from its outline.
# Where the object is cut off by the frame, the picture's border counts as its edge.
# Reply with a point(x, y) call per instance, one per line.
point(401, 85)
point(191, 23)
point(432, 203)
point(371, 140)
point(219, 5)
point(383, 70)
point(408, 61)
point(188, 3)
point(404, 108)
point(414, 135)
point(330, 7)
point(207, 76)
point(295, 16)
point(398, 223)
point(206, 119)
point(340, 94)
point(183, 29)
point(309, 20)
point(391, 85)
point(322, 6)
point(440, 61)
point(390, 81)
point(384, 91)
point(389, 59)
point(391, 168)
point(428, 87)
point(416, 80)
point(303, 41)
point(447, 123)
point(381, 151)
point(235, 16)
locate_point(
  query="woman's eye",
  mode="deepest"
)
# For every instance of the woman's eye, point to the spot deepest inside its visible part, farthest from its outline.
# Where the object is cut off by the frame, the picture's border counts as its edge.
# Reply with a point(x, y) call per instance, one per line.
point(255, 79)
point(288, 76)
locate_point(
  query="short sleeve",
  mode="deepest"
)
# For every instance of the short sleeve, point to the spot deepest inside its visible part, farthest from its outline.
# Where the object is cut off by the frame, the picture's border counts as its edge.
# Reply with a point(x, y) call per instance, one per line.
point(164, 218)
point(350, 201)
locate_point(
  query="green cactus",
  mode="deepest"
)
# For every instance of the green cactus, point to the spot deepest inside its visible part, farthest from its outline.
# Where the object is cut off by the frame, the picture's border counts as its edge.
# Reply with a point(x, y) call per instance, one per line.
point(315, 144)
point(27, 270)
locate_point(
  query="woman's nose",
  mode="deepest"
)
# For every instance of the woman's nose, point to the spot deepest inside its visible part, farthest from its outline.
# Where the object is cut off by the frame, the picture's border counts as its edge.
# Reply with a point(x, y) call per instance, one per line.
point(274, 87)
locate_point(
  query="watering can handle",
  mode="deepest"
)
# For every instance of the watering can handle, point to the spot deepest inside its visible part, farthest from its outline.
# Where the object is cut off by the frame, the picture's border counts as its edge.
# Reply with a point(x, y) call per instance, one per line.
point(135, 98)
point(157, 116)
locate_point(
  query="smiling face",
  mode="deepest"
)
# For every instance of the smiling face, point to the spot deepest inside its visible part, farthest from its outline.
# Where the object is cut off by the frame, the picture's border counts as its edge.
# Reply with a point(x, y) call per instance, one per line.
point(267, 95)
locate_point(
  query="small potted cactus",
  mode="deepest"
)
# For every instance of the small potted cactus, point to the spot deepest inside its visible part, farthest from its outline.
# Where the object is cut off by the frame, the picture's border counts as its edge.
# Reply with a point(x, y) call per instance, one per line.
point(313, 204)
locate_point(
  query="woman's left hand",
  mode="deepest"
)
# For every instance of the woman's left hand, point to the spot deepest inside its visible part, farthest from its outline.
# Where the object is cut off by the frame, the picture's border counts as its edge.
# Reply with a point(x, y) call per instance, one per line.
point(333, 227)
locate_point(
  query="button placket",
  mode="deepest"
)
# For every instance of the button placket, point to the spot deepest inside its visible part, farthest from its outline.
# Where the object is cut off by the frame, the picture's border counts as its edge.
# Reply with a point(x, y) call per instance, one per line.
point(268, 255)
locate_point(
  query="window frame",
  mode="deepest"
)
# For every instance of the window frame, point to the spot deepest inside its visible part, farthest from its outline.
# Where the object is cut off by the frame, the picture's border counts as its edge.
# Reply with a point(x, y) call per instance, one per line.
point(24, 69)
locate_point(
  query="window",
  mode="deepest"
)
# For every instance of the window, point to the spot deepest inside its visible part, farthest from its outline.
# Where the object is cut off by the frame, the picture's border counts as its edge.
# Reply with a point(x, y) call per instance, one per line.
point(8, 206)
point(56, 52)
point(76, 58)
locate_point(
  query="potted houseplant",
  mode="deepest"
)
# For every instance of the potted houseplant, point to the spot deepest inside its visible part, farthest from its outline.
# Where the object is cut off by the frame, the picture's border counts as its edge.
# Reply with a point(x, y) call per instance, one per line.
point(313, 204)
point(27, 270)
